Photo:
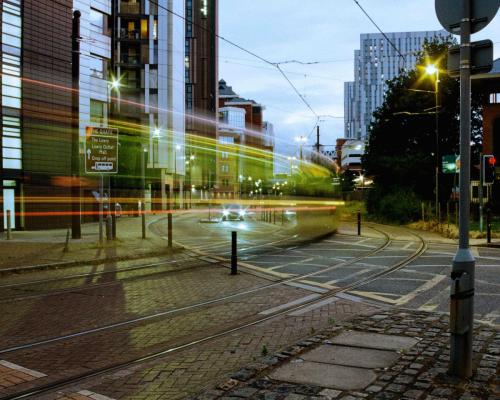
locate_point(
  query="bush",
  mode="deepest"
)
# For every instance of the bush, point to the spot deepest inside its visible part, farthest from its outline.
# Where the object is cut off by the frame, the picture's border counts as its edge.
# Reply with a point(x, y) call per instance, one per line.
point(398, 205)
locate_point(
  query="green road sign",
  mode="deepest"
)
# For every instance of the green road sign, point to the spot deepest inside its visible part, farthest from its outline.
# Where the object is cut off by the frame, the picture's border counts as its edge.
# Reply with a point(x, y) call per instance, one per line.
point(451, 164)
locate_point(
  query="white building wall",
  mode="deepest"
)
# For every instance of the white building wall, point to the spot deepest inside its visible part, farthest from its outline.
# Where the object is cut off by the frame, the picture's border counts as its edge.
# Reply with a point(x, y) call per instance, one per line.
point(93, 43)
point(374, 63)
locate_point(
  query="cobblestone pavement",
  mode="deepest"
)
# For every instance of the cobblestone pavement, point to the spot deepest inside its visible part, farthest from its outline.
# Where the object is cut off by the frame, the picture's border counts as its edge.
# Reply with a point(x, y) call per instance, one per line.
point(187, 372)
point(420, 373)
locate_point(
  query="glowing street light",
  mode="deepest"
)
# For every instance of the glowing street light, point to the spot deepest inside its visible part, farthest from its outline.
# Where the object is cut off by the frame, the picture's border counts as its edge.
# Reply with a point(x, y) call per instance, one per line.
point(432, 69)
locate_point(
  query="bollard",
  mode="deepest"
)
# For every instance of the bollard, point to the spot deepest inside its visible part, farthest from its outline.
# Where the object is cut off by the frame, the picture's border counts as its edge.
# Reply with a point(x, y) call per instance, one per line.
point(113, 225)
point(488, 226)
point(359, 223)
point(9, 226)
point(66, 245)
point(169, 224)
point(234, 256)
point(109, 228)
point(143, 220)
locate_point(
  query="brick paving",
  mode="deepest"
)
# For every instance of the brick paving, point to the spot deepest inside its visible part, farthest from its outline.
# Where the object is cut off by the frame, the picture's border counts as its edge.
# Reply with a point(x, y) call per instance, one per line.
point(13, 374)
point(188, 371)
point(419, 374)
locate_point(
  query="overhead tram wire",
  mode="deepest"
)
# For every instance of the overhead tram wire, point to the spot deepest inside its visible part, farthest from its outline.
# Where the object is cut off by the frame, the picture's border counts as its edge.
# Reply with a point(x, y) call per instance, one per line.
point(276, 65)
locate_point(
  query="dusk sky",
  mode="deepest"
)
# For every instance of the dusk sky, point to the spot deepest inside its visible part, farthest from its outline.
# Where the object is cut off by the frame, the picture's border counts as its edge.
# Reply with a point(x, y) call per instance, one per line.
point(325, 31)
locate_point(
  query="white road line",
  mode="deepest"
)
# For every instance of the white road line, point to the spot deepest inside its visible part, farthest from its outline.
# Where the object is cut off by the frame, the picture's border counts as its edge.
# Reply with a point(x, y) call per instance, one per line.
point(348, 276)
point(313, 307)
point(427, 286)
point(290, 304)
point(350, 244)
point(311, 288)
point(16, 367)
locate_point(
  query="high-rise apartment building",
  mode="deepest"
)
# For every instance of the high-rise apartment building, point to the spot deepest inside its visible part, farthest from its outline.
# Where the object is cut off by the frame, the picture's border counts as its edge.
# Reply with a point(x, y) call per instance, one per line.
point(201, 59)
point(35, 111)
point(132, 72)
point(375, 62)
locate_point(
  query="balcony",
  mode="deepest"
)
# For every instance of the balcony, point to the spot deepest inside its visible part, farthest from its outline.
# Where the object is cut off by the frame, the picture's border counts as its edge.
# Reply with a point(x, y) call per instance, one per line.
point(125, 34)
point(130, 8)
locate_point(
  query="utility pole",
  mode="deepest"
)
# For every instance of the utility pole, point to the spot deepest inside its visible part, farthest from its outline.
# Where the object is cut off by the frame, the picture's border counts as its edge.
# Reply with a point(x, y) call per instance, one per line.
point(463, 268)
point(317, 143)
point(76, 229)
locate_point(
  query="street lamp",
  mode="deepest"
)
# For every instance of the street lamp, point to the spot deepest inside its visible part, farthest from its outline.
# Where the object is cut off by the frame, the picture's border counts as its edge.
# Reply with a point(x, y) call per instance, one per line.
point(301, 140)
point(177, 148)
point(433, 70)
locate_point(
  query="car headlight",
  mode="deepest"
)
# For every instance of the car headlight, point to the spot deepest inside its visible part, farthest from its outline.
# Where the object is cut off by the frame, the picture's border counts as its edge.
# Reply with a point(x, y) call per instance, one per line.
point(242, 213)
point(225, 213)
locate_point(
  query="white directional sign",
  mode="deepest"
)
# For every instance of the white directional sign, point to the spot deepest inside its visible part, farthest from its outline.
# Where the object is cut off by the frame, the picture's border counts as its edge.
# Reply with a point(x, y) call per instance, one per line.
point(101, 150)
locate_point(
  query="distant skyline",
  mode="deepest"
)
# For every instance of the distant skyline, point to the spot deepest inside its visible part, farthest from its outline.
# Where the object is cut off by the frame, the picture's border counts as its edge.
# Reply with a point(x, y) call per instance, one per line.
point(323, 31)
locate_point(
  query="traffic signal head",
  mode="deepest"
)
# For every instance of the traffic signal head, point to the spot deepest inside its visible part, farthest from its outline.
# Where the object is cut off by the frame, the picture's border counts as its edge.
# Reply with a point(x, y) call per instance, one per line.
point(488, 169)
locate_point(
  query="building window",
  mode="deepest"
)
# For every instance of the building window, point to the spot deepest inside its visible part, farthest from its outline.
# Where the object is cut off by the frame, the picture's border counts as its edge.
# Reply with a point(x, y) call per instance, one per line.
point(204, 8)
point(226, 139)
point(11, 88)
point(97, 21)
point(224, 168)
point(98, 111)
point(97, 66)
point(224, 155)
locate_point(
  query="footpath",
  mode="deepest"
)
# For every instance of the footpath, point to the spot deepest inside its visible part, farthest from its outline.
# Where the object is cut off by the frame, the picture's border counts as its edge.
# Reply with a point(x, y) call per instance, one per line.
point(390, 354)
point(49, 248)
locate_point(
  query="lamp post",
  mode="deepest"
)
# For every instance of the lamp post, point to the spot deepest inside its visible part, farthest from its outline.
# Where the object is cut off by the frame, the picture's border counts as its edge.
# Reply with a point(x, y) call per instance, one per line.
point(432, 69)
point(177, 148)
point(301, 140)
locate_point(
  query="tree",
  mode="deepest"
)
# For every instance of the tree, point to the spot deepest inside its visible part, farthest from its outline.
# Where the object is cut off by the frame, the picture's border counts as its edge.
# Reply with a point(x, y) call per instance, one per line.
point(401, 151)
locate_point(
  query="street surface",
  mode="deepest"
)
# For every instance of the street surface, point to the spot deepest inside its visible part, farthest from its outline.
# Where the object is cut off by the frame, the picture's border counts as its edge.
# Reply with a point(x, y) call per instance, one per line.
point(200, 322)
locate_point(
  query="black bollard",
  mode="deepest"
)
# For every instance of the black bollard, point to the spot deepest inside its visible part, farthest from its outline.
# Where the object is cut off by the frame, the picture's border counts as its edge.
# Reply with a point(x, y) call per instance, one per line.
point(359, 223)
point(234, 256)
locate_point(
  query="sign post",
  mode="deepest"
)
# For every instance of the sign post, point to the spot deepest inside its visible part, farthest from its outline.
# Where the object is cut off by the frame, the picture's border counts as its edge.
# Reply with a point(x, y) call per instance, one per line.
point(464, 18)
point(101, 157)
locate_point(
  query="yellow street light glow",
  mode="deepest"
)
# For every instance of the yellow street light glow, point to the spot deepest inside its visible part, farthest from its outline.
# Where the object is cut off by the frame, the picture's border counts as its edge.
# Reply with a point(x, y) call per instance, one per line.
point(157, 132)
point(192, 157)
point(431, 69)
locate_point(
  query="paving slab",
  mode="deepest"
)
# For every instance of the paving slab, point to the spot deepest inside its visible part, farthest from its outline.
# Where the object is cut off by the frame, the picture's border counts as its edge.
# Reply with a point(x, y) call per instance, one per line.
point(325, 375)
point(374, 341)
point(352, 356)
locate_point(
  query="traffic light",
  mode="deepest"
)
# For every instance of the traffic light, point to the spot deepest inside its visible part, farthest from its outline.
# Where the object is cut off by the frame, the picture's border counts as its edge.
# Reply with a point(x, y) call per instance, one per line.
point(488, 169)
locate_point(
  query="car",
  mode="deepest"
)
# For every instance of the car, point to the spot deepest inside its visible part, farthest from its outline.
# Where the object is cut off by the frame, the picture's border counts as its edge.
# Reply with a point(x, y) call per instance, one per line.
point(233, 212)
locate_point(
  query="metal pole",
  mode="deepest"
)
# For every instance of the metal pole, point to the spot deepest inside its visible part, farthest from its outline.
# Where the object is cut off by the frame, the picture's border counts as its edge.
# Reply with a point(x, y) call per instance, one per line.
point(101, 208)
point(436, 90)
point(169, 220)
point(462, 274)
point(76, 228)
point(234, 253)
point(143, 219)
point(488, 226)
point(9, 225)
point(359, 223)
point(480, 190)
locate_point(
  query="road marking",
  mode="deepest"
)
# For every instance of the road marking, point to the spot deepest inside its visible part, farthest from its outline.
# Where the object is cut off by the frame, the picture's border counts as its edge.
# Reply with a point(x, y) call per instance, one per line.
point(375, 296)
point(30, 372)
point(348, 276)
point(346, 296)
point(407, 246)
point(427, 286)
point(92, 395)
point(289, 304)
point(311, 288)
point(313, 307)
point(350, 244)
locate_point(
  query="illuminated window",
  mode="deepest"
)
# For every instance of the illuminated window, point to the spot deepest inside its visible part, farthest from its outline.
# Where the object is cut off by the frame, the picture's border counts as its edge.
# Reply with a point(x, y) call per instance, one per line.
point(11, 88)
point(204, 8)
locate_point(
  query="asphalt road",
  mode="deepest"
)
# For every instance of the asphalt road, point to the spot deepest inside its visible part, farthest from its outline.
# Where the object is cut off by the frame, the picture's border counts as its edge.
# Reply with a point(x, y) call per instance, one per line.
point(423, 284)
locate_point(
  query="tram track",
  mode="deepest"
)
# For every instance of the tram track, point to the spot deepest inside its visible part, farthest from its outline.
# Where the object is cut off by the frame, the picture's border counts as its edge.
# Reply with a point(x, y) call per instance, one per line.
point(110, 368)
